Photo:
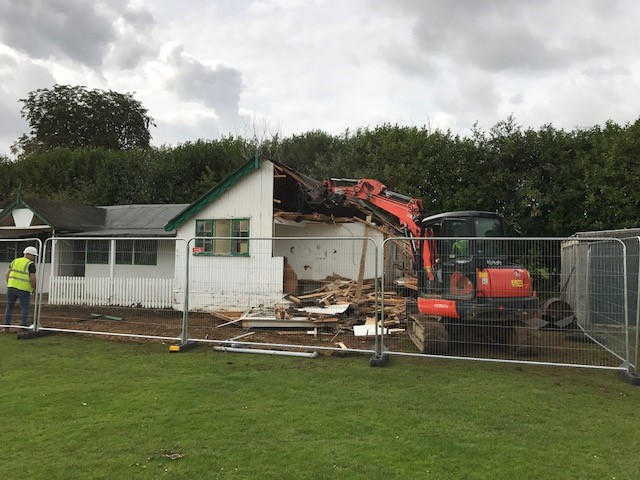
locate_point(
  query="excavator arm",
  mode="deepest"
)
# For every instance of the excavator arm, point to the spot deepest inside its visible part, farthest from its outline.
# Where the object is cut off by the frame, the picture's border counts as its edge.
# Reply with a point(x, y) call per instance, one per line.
point(408, 212)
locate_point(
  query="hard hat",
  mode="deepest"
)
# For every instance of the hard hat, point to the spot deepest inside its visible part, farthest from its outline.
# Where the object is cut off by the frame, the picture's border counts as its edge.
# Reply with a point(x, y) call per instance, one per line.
point(31, 251)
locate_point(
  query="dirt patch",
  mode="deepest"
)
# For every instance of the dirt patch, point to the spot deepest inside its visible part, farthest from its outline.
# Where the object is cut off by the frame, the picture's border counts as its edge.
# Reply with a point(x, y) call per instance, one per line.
point(136, 323)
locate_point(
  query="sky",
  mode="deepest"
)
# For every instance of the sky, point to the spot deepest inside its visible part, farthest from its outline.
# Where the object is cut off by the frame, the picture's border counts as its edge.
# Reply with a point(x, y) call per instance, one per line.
point(257, 68)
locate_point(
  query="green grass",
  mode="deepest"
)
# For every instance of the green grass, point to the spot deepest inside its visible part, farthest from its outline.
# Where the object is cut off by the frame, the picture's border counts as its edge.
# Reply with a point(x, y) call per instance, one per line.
point(77, 407)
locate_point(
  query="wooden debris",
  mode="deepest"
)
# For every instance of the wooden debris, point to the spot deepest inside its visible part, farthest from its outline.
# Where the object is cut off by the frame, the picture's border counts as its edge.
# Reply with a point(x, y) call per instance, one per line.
point(334, 306)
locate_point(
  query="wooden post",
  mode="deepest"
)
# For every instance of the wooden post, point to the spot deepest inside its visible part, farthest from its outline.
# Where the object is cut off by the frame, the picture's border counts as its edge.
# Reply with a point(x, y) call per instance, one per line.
point(363, 258)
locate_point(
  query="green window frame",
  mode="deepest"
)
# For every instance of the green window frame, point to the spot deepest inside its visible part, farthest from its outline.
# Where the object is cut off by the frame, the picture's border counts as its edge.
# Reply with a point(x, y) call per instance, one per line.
point(207, 230)
point(136, 252)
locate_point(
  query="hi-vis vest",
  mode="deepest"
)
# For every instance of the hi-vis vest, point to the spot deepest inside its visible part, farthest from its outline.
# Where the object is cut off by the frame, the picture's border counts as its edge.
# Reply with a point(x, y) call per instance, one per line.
point(19, 275)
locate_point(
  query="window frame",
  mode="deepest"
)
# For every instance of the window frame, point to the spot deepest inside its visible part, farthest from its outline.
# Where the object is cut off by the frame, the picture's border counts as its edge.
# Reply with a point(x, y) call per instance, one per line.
point(94, 255)
point(235, 243)
point(135, 252)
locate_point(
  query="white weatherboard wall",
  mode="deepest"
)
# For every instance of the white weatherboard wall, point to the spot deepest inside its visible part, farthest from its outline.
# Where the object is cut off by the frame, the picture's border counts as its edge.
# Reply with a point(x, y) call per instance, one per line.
point(233, 282)
point(338, 254)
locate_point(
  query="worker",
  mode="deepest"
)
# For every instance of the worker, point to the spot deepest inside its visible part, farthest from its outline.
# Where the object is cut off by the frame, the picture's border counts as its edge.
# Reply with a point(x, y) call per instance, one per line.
point(461, 247)
point(21, 284)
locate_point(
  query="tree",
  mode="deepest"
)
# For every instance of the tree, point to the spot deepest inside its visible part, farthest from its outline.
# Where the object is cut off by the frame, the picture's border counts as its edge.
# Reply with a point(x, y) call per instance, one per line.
point(74, 117)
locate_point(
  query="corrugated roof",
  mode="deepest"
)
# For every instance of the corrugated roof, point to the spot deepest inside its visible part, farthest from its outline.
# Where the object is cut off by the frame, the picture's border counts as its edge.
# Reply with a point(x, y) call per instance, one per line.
point(137, 220)
point(118, 220)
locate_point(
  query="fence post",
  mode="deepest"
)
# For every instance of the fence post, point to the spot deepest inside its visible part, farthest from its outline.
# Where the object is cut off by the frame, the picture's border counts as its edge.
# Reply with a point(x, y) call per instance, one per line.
point(637, 342)
point(630, 374)
point(184, 333)
point(380, 357)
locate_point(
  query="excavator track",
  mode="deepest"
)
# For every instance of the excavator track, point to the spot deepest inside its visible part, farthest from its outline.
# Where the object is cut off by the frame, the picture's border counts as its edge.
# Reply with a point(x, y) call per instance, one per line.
point(434, 335)
point(428, 334)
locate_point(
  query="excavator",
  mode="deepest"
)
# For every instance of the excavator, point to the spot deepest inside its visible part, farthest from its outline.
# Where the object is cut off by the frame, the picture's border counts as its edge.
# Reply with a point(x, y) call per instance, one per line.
point(462, 262)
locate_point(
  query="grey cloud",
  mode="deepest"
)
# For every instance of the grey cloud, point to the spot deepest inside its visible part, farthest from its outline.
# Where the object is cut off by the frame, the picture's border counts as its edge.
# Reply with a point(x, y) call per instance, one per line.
point(174, 131)
point(135, 41)
point(54, 28)
point(81, 30)
point(23, 78)
point(218, 88)
point(409, 61)
point(498, 35)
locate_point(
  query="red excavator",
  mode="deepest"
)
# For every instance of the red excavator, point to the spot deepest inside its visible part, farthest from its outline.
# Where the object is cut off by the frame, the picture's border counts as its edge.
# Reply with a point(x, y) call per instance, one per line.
point(461, 259)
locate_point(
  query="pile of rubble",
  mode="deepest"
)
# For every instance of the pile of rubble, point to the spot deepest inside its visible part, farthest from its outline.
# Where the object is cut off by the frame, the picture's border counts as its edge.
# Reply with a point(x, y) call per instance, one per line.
point(336, 304)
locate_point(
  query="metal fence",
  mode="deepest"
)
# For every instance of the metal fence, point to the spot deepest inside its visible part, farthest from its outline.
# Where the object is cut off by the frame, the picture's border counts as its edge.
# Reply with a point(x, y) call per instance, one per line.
point(531, 300)
point(284, 293)
point(569, 301)
point(111, 286)
point(11, 249)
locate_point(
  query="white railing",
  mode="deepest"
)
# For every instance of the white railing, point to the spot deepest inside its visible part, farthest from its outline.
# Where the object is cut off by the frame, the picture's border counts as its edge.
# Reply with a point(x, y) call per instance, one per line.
point(122, 292)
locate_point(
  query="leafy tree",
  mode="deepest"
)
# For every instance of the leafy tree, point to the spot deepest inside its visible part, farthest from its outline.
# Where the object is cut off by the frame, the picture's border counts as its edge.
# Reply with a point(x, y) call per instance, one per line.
point(7, 181)
point(75, 117)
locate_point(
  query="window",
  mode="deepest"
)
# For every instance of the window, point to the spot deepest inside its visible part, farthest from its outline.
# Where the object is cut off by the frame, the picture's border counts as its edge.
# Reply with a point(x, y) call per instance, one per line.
point(136, 252)
point(98, 252)
point(12, 250)
point(211, 235)
point(8, 251)
point(488, 227)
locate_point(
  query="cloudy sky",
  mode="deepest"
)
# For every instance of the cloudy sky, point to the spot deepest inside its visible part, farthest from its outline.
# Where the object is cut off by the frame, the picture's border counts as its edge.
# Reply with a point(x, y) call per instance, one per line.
point(206, 68)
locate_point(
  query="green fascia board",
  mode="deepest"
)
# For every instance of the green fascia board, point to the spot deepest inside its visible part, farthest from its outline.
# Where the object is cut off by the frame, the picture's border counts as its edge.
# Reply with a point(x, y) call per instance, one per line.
point(9, 208)
point(16, 204)
point(211, 195)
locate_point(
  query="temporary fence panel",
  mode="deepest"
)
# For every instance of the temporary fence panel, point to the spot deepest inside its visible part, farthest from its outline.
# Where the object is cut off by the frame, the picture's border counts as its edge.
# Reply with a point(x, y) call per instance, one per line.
point(284, 292)
point(555, 301)
point(10, 249)
point(605, 291)
point(115, 286)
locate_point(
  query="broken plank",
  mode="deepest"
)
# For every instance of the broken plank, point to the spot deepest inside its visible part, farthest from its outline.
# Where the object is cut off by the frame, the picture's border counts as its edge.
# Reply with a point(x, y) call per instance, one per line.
point(325, 320)
point(293, 298)
point(230, 322)
point(314, 295)
point(220, 316)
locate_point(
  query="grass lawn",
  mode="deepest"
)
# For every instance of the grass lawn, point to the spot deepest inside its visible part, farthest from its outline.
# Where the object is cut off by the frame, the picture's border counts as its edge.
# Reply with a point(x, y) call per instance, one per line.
point(77, 407)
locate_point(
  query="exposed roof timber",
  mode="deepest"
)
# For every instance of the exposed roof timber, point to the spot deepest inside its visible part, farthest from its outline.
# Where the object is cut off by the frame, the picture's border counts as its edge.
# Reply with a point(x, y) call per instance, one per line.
point(312, 217)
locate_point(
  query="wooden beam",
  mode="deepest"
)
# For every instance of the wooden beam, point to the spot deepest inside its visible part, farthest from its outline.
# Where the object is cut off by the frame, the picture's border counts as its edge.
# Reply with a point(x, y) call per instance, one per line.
point(363, 258)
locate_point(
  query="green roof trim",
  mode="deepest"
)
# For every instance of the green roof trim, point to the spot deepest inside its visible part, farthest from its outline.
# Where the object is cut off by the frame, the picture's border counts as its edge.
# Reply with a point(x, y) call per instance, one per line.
point(215, 192)
point(19, 202)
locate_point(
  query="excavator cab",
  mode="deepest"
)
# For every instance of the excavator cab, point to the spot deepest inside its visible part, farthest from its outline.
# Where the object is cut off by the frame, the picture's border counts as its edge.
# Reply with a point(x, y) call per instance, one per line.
point(474, 272)
point(459, 248)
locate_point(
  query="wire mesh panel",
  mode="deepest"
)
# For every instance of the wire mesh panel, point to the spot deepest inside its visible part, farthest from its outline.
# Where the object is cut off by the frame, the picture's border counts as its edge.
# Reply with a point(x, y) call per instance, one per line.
point(284, 292)
point(605, 292)
point(527, 300)
point(632, 248)
point(11, 249)
point(120, 286)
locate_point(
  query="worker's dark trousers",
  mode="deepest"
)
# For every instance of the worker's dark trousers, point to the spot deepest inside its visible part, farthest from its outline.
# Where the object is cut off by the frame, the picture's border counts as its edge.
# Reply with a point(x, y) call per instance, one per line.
point(13, 295)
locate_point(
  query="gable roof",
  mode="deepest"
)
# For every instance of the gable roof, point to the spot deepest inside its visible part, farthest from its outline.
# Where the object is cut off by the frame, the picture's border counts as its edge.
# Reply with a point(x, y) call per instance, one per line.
point(68, 219)
point(209, 196)
point(60, 216)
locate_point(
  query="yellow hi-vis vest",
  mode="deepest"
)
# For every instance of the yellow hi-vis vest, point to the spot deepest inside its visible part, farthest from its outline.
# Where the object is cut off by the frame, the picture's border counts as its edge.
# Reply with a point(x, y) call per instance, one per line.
point(19, 275)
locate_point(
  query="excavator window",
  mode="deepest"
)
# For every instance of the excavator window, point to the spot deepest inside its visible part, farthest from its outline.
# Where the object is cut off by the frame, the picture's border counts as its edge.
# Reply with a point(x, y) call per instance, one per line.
point(457, 228)
point(488, 227)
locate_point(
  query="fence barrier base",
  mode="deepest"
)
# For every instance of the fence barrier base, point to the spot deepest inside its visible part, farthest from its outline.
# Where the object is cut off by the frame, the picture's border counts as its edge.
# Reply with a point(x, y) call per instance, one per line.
point(181, 347)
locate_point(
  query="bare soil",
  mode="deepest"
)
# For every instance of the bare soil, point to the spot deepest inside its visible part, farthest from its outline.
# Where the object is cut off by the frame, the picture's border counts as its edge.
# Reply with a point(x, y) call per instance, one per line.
point(553, 345)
